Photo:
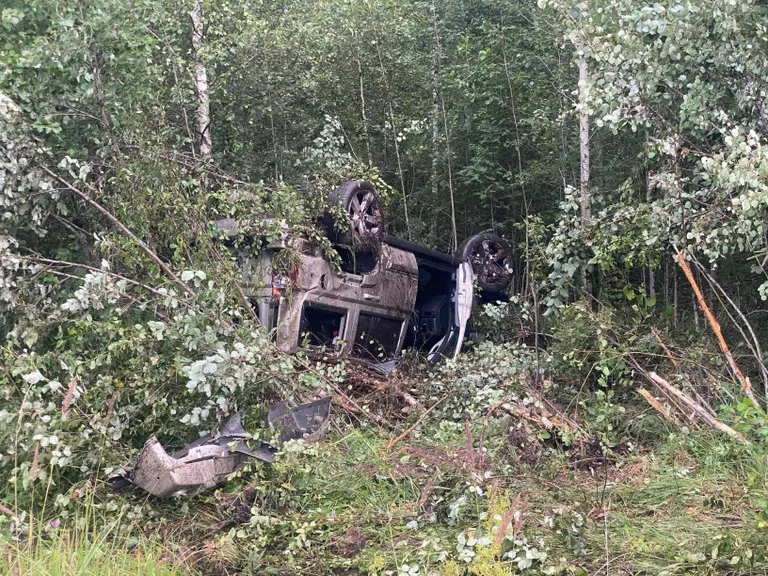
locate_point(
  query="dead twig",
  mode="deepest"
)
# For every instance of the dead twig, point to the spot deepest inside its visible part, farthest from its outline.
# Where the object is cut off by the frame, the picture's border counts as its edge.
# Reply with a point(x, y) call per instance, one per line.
point(353, 408)
point(664, 347)
point(109, 410)
point(411, 401)
point(9, 512)
point(415, 424)
point(425, 492)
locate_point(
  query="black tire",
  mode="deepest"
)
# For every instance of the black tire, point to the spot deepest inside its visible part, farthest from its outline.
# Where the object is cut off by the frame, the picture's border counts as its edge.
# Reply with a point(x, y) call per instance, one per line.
point(490, 257)
point(363, 206)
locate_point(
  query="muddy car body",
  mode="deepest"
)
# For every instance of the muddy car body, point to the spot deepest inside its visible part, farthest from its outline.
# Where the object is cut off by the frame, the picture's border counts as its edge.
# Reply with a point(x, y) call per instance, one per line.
point(396, 295)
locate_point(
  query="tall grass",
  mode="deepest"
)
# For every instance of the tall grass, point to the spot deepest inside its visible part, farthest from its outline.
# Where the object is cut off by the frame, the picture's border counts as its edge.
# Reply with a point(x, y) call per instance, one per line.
point(77, 554)
point(90, 544)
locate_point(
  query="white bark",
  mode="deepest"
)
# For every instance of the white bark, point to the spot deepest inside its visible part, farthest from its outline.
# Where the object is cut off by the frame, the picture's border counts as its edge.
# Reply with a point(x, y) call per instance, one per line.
point(586, 209)
point(203, 120)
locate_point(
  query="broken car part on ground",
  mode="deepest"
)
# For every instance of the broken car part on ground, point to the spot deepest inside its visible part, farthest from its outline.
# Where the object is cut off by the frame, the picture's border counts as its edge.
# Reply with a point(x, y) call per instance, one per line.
point(206, 462)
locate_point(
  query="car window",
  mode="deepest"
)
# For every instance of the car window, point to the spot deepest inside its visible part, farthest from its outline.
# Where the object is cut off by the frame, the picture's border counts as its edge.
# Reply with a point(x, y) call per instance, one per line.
point(376, 337)
point(321, 326)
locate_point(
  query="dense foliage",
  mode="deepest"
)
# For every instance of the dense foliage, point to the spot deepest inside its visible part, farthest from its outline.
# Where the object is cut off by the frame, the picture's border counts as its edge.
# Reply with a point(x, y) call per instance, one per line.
point(120, 311)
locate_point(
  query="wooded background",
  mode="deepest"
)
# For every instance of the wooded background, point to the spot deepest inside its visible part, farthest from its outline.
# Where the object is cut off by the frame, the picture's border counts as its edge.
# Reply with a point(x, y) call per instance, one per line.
point(600, 138)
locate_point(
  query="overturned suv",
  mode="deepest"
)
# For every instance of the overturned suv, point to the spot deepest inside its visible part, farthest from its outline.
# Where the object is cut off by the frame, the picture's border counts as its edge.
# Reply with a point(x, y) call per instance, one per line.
point(390, 294)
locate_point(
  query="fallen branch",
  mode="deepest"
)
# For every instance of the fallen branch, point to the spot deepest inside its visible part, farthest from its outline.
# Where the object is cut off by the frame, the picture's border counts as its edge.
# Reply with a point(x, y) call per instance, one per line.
point(348, 403)
point(670, 398)
point(753, 346)
point(551, 415)
point(64, 263)
point(415, 424)
point(353, 408)
point(696, 407)
point(411, 401)
point(746, 386)
point(664, 347)
point(138, 241)
point(655, 404)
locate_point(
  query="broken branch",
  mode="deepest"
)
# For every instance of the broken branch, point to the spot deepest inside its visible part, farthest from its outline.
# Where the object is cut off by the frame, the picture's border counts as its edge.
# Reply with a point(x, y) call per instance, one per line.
point(746, 386)
point(655, 404)
point(112, 218)
point(664, 347)
point(415, 424)
point(696, 407)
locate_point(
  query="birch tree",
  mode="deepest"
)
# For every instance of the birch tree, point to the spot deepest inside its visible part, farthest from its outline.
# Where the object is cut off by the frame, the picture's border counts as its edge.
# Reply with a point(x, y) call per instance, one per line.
point(200, 80)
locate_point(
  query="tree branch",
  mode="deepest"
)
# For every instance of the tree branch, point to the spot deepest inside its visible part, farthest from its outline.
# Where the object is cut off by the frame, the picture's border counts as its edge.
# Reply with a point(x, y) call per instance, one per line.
point(112, 218)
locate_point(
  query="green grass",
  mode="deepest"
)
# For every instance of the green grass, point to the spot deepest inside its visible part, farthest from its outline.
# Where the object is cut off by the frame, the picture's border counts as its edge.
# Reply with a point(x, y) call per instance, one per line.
point(71, 553)
point(89, 540)
point(686, 507)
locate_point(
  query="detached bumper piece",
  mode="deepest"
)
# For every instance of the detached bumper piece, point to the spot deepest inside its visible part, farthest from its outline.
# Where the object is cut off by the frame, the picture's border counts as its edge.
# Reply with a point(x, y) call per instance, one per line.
point(307, 421)
point(206, 462)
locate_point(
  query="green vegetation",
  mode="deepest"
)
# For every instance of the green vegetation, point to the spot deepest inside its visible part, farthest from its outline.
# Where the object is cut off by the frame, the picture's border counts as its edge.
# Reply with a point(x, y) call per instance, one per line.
point(95, 542)
point(601, 421)
point(67, 555)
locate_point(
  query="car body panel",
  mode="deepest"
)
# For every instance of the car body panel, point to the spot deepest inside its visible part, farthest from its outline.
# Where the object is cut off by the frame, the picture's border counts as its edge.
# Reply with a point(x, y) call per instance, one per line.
point(412, 296)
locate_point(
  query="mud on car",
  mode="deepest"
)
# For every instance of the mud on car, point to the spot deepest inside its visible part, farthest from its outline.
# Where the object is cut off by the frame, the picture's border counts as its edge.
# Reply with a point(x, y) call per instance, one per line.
point(389, 294)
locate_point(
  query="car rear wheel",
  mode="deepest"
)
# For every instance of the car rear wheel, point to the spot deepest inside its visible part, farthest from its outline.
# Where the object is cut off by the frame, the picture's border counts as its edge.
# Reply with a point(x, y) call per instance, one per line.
point(490, 257)
point(363, 207)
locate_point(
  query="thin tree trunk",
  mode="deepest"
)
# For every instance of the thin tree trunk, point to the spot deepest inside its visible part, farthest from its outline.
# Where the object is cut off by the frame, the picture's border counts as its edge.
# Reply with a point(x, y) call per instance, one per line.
point(434, 177)
point(454, 235)
point(586, 210)
point(365, 117)
point(674, 296)
point(203, 121)
point(651, 273)
point(274, 139)
point(394, 138)
point(529, 271)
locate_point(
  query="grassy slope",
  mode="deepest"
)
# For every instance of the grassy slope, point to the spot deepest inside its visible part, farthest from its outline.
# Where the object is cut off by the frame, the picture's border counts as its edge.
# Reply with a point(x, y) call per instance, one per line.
point(505, 496)
point(350, 506)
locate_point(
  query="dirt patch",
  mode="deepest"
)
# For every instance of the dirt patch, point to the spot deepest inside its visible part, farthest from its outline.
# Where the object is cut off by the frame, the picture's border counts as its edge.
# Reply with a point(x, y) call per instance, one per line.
point(348, 544)
point(423, 461)
point(522, 446)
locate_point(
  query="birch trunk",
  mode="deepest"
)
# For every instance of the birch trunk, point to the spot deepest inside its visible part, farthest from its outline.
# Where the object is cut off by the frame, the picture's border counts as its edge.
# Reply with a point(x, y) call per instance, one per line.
point(586, 209)
point(203, 120)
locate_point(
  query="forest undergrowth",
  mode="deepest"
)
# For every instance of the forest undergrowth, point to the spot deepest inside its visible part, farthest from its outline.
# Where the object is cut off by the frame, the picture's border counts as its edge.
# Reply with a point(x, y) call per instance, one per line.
point(504, 467)
point(608, 416)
